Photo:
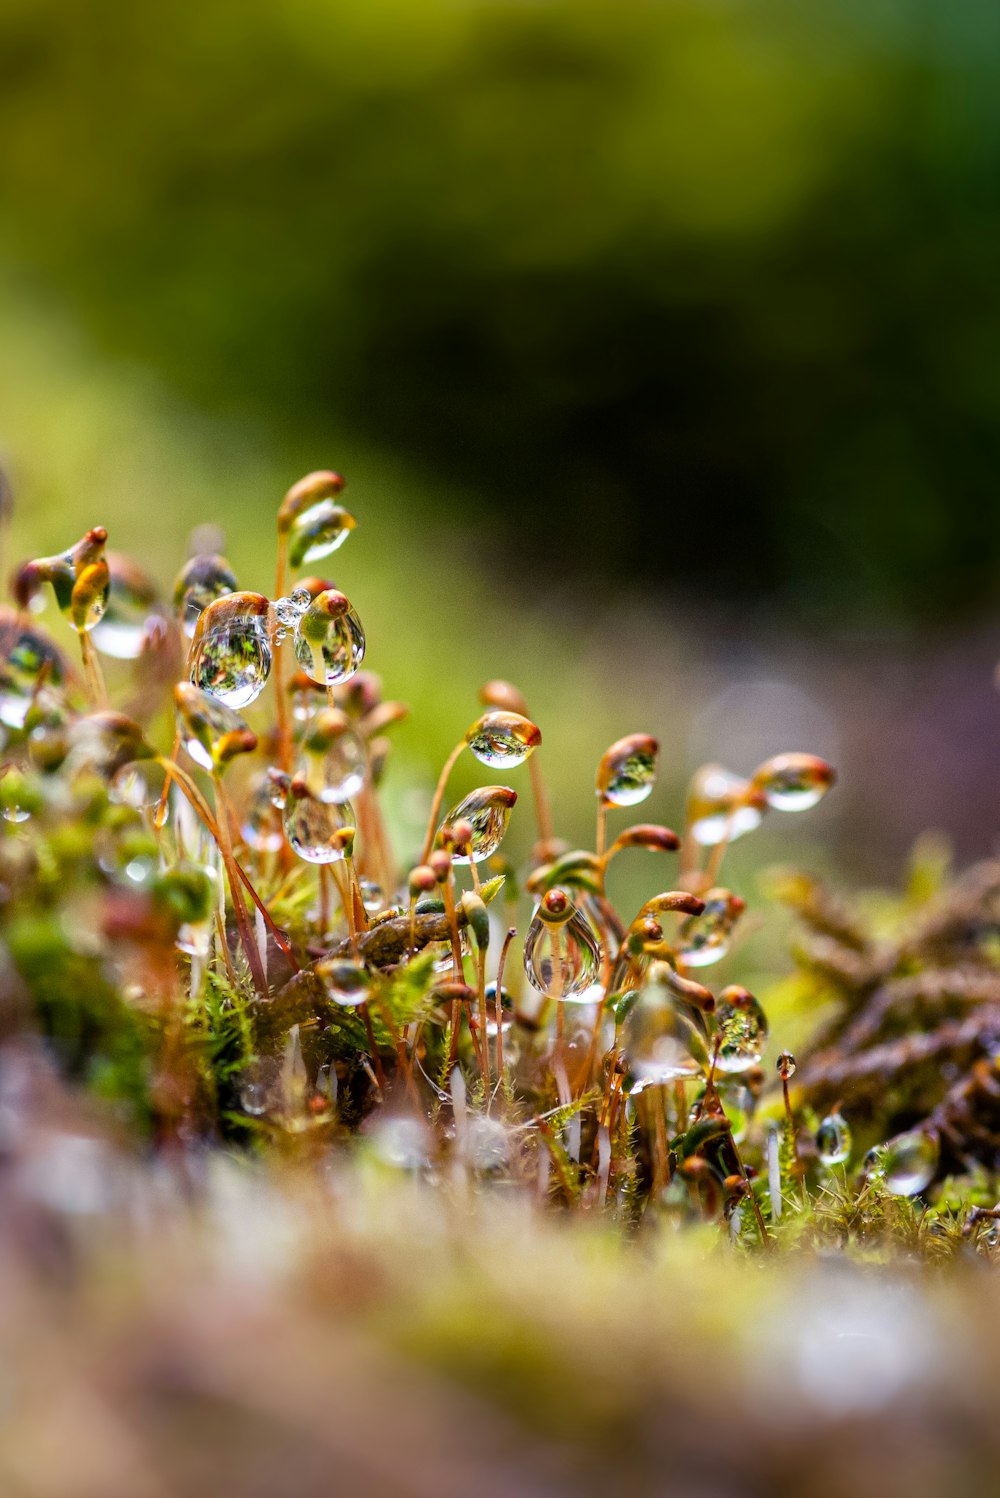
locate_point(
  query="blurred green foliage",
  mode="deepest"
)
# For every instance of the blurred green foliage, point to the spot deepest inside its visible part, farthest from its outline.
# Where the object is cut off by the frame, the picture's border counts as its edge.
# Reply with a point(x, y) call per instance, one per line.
point(701, 292)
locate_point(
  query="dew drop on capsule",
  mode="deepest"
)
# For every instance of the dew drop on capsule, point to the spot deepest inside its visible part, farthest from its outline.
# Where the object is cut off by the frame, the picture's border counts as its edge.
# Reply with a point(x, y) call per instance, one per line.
point(329, 639)
point(833, 1139)
point(334, 761)
point(488, 810)
point(909, 1162)
point(195, 937)
point(704, 939)
point(562, 952)
point(124, 627)
point(210, 731)
point(312, 826)
point(26, 657)
point(661, 1042)
point(201, 581)
point(786, 1066)
point(741, 1030)
point(627, 770)
point(346, 983)
point(314, 523)
point(722, 807)
point(499, 1015)
point(503, 740)
point(738, 1103)
point(261, 826)
point(794, 782)
point(231, 651)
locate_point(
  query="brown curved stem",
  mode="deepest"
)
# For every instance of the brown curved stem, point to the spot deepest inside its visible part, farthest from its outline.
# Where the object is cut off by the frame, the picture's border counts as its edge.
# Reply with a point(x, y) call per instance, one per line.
point(449, 765)
point(204, 811)
point(284, 721)
point(247, 936)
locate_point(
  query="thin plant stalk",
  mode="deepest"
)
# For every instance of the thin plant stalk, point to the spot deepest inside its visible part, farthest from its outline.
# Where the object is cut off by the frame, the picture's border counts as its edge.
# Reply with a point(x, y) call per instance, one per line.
point(439, 791)
point(96, 689)
point(247, 936)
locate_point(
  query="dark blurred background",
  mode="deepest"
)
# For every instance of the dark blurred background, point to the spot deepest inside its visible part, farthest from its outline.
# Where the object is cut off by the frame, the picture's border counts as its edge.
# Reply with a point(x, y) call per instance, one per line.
point(686, 312)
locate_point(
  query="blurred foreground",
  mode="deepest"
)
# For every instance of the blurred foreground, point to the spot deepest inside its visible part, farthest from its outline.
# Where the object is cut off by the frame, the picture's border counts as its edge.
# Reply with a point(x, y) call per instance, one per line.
point(209, 1326)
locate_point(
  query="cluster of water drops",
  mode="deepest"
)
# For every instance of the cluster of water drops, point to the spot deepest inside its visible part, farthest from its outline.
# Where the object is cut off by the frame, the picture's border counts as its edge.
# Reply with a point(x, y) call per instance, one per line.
point(291, 877)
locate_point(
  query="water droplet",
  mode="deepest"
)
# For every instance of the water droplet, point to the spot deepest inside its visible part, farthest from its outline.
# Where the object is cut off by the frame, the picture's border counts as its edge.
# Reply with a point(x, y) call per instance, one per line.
point(313, 827)
point(259, 1090)
point(909, 1162)
point(210, 731)
point(503, 739)
point(200, 582)
point(261, 826)
point(231, 651)
point(105, 742)
point(253, 1097)
point(741, 1030)
point(786, 1066)
point(833, 1139)
point(346, 983)
point(794, 782)
point(505, 1012)
point(739, 1104)
point(562, 960)
point(329, 639)
point(627, 770)
point(139, 785)
point(872, 1166)
point(334, 763)
point(28, 657)
point(195, 885)
point(486, 1143)
point(488, 810)
point(313, 521)
point(123, 629)
point(661, 1041)
point(401, 1142)
point(705, 938)
point(722, 806)
point(288, 611)
point(373, 898)
point(79, 579)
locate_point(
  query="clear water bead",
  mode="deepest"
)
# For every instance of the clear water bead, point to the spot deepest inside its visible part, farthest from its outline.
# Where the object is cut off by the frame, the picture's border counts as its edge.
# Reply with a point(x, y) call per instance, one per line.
point(833, 1140)
point(499, 1016)
point(318, 531)
point(909, 1162)
point(312, 826)
point(794, 782)
point(334, 763)
point(124, 628)
point(502, 739)
point(261, 826)
point(704, 939)
point(210, 731)
point(627, 771)
point(231, 652)
point(347, 984)
point(722, 807)
point(329, 639)
point(741, 1030)
point(28, 657)
point(562, 961)
point(201, 581)
point(488, 810)
point(661, 1041)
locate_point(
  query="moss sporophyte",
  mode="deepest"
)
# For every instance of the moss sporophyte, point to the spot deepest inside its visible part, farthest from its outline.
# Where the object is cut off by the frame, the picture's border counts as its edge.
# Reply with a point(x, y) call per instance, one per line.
point(284, 970)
